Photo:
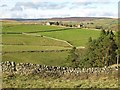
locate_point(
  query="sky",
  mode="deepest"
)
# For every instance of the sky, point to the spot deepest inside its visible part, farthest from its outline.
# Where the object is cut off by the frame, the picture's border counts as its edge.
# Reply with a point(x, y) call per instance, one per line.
point(33, 9)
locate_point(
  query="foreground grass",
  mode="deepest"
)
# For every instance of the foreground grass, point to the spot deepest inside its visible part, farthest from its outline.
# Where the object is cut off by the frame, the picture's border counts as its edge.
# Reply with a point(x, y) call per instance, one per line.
point(37, 82)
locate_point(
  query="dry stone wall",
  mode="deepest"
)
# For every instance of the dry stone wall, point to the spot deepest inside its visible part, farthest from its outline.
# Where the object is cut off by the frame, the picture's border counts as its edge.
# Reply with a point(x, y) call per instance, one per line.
point(41, 51)
point(56, 71)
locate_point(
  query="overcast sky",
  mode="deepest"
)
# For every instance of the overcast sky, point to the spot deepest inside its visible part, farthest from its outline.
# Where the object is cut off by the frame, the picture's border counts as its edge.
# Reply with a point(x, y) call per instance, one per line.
point(58, 8)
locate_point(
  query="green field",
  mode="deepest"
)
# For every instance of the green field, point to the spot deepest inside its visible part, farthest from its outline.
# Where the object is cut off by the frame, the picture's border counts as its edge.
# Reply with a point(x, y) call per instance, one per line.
point(32, 42)
point(18, 39)
point(44, 58)
point(19, 48)
point(28, 28)
point(77, 37)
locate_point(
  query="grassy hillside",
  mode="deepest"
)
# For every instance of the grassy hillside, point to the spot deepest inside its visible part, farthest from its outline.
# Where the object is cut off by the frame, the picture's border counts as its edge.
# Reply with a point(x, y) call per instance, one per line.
point(28, 28)
point(44, 58)
point(13, 39)
point(13, 42)
point(77, 37)
point(22, 42)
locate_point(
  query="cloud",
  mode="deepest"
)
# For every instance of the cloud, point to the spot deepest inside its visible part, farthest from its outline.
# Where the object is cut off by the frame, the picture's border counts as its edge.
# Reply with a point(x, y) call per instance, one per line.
point(96, 1)
point(63, 8)
point(4, 5)
point(17, 8)
point(41, 5)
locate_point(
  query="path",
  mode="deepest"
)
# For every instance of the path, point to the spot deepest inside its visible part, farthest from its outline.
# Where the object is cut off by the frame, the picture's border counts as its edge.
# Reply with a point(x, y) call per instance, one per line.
point(55, 39)
point(49, 38)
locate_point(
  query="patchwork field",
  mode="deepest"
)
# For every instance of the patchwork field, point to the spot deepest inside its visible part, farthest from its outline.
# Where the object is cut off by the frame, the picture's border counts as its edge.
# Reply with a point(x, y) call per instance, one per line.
point(49, 45)
point(19, 39)
point(30, 47)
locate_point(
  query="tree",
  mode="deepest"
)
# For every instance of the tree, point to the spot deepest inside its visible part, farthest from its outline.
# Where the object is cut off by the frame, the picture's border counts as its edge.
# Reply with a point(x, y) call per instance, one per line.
point(102, 51)
point(73, 58)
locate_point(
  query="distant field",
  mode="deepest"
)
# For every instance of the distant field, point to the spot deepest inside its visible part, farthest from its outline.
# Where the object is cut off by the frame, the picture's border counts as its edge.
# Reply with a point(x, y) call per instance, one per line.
point(45, 58)
point(77, 37)
point(28, 28)
point(12, 39)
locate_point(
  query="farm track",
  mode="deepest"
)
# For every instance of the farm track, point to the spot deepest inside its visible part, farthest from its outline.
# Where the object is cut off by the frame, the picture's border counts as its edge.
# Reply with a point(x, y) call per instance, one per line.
point(49, 38)
point(82, 47)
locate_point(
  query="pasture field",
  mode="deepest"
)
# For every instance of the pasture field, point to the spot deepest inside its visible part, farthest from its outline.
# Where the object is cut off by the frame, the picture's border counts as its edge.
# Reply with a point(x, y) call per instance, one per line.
point(49, 38)
point(19, 39)
point(77, 37)
point(32, 42)
point(44, 58)
point(28, 28)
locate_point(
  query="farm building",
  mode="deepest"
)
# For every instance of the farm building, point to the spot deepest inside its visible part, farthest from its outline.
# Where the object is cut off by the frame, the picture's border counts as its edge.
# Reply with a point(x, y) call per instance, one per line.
point(50, 23)
point(80, 25)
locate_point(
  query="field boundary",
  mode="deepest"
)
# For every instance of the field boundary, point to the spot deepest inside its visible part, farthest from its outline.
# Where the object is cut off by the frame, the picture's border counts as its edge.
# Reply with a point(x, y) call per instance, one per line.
point(36, 51)
point(57, 71)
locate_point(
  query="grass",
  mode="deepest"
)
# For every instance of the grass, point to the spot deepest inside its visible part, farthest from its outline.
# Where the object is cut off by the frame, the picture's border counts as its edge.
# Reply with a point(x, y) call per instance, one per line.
point(28, 28)
point(20, 42)
point(77, 37)
point(37, 82)
point(44, 58)
point(13, 39)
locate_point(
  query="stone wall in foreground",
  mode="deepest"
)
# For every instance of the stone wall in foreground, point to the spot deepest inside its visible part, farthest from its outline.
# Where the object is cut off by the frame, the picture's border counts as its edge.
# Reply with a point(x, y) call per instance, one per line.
point(56, 71)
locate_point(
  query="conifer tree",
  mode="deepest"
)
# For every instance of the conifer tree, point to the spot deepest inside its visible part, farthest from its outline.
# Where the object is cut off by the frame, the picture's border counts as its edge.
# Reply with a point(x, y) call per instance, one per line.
point(73, 58)
point(102, 51)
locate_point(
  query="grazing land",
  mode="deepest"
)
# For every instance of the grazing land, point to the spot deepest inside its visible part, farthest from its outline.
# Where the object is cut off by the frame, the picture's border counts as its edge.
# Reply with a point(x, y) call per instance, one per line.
point(55, 40)
point(77, 37)
point(28, 28)
point(37, 43)
point(44, 58)
point(19, 39)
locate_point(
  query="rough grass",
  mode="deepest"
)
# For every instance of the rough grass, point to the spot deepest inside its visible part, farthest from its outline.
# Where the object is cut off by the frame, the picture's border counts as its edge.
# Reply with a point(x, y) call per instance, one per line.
point(37, 82)
point(77, 37)
point(44, 58)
